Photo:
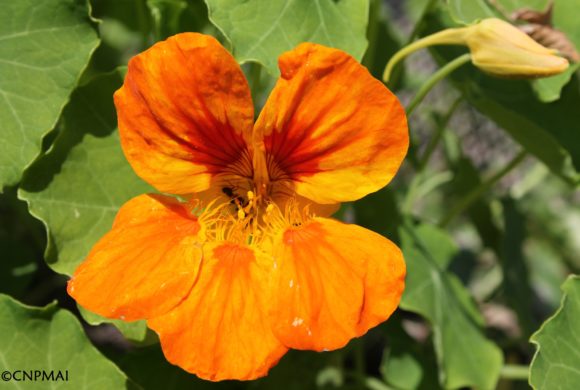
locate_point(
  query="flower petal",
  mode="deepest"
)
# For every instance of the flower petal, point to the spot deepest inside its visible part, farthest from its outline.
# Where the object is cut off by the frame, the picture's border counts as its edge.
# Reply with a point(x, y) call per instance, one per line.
point(329, 127)
point(145, 265)
point(221, 330)
point(333, 282)
point(185, 113)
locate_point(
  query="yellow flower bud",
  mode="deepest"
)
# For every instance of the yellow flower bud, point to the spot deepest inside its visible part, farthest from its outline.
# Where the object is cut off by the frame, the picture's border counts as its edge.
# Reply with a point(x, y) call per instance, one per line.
point(501, 49)
point(496, 47)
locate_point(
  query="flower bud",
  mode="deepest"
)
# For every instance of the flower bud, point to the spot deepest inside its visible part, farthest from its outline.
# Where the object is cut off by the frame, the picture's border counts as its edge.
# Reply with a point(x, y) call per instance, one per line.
point(496, 47)
point(501, 49)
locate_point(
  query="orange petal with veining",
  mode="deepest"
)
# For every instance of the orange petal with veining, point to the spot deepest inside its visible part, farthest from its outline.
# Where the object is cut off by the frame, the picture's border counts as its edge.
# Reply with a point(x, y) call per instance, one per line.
point(221, 330)
point(333, 281)
point(330, 128)
point(145, 265)
point(185, 114)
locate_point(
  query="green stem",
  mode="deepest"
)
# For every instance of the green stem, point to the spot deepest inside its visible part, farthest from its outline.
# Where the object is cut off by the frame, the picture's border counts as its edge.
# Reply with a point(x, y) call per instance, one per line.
point(472, 196)
point(450, 36)
point(435, 78)
point(515, 372)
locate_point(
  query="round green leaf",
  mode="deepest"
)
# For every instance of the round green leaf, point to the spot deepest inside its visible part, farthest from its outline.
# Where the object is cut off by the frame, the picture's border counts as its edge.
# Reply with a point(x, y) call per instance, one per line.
point(77, 188)
point(44, 47)
point(51, 339)
point(262, 30)
point(134, 330)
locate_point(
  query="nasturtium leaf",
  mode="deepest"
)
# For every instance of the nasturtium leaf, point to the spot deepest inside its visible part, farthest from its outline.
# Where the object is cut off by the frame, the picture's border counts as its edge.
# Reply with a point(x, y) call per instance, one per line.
point(467, 12)
point(135, 330)
point(406, 364)
point(403, 371)
point(44, 47)
point(262, 30)
point(556, 364)
point(466, 358)
point(565, 18)
point(549, 89)
point(51, 339)
point(77, 188)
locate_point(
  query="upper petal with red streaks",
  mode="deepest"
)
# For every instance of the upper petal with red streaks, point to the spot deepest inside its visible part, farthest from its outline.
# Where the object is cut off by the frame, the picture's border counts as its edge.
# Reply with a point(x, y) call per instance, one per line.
point(185, 114)
point(330, 128)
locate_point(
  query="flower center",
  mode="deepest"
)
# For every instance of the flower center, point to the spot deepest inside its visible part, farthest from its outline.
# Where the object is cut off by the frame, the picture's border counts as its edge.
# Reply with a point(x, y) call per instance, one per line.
point(249, 218)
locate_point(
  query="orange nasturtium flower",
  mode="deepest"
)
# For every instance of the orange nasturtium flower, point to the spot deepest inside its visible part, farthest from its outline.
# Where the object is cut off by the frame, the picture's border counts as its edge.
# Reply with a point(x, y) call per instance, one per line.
point(246, 265)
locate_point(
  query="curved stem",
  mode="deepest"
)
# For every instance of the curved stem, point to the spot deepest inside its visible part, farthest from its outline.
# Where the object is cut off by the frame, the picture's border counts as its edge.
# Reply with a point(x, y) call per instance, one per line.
point(435, 78)
point(516, 372)
point(471, 197)
point(450, 36)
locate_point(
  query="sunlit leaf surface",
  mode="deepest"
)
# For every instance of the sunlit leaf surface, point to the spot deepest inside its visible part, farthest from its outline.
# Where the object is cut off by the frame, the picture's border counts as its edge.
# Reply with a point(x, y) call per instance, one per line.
point(262, 30)
point(51, 339)
point(44, 46)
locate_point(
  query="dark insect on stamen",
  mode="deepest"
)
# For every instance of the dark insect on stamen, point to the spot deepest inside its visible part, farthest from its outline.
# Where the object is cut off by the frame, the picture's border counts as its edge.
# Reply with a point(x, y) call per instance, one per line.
point(234, 198)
